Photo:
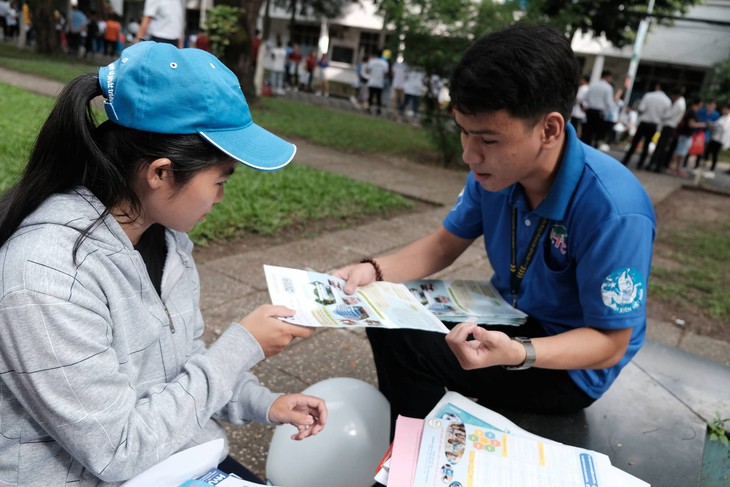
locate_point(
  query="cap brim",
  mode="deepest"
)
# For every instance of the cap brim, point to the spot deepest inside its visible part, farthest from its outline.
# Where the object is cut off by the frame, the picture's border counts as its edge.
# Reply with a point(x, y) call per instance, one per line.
point(253, 146)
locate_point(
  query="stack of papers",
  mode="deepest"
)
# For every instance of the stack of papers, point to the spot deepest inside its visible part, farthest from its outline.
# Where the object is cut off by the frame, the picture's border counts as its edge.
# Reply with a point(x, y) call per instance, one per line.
point(459, 301)
point(319, 300)
point(462, 444)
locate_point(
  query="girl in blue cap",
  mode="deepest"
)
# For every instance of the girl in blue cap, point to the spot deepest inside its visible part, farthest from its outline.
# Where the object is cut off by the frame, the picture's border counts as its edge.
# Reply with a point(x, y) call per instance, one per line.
point(103, 371)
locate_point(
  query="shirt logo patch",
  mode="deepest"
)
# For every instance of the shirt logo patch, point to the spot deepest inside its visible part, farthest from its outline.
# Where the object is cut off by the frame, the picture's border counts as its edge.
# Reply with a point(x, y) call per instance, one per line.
point(623, 290)
point(559, 238)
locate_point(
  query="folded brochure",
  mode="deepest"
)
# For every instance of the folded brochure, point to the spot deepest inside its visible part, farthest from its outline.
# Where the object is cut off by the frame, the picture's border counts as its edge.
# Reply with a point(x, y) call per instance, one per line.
point(425, 304)
point(319, 300)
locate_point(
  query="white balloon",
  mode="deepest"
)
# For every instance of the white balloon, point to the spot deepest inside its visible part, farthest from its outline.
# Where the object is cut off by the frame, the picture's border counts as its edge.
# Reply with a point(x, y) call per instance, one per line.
point(346, 452)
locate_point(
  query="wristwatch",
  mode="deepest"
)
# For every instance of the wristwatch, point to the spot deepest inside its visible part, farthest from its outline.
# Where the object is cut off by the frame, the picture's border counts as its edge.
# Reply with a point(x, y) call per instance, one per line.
point(530, 355)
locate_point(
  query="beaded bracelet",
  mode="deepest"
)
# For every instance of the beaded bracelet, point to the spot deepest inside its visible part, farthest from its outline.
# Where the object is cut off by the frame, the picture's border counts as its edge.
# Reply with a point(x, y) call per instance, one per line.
point(378, 272)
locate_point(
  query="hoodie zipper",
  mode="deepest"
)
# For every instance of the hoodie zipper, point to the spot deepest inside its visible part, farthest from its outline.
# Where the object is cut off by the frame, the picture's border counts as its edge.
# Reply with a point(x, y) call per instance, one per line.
point(169, 318)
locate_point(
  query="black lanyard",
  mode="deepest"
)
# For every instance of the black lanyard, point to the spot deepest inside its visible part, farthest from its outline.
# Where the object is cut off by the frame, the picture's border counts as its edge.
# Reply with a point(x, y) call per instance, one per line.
point(515, 274)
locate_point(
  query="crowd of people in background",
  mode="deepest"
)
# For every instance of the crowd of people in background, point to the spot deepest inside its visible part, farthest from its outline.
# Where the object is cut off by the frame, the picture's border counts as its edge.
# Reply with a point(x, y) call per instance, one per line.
point(381, 87)
point(15, 16)
point(90, 33)
point(665, 129)
point(661, 126)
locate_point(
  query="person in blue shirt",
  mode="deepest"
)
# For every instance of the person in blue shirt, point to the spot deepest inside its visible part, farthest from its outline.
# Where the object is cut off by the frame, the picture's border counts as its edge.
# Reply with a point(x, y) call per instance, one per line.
point(568, 231)
point(708, 115)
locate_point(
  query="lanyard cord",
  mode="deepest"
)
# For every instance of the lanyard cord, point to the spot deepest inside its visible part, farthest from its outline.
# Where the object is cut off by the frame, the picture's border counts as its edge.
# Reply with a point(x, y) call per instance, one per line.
point(515, 274)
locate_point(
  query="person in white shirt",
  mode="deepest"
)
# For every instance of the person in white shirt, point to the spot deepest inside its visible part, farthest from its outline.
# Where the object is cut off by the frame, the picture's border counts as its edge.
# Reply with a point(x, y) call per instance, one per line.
point(277, 65)
point(163, 21)
point(652, 107)
point(598, 102)
point(670, 120)
point(377, 69)
point(578, 117)
point(397, 97)
point(413, 90)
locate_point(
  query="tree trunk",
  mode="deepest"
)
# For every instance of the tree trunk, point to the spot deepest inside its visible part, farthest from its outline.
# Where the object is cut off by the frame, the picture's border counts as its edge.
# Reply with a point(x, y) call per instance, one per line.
point(238, 55)
point(44, 26)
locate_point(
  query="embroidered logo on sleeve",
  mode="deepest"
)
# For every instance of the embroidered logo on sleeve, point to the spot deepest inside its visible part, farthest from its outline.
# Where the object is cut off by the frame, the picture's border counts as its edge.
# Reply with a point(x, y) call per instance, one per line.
point(559, 238)
point(623, 290)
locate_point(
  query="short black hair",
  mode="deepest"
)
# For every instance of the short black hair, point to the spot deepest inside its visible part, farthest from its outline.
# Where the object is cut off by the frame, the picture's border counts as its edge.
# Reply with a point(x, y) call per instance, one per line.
point(526, 69)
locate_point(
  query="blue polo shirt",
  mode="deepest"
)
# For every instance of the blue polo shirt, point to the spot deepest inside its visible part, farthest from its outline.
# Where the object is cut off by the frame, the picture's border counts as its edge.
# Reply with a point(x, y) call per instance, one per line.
point(591, 266)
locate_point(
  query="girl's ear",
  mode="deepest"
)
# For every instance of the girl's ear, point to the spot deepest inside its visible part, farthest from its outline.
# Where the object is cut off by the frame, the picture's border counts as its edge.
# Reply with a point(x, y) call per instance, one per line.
point(158, 173)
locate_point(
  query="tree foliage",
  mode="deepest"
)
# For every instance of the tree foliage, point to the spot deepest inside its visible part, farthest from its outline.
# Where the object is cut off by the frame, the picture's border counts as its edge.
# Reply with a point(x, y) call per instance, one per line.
point(720, 88)
point(618, 21)
point(222, 24)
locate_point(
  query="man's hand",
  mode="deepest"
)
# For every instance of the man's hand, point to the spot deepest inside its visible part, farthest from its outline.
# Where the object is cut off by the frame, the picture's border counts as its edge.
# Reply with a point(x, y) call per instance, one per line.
point(488, 348)
point(307, 413)
point(356, 275)
point(272, 333)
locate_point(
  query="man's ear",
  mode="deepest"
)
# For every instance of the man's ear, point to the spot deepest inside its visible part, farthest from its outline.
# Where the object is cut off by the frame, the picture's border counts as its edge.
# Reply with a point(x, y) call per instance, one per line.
point(553, 128)
point(158, 173)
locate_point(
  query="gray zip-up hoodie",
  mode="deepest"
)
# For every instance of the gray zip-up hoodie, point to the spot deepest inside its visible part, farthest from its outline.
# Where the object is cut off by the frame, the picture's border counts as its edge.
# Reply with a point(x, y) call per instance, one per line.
point(99, 377)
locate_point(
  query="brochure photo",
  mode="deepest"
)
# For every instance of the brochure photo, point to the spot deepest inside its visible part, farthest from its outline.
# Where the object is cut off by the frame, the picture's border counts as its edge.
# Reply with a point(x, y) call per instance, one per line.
point(319, 300)
point(459, 301)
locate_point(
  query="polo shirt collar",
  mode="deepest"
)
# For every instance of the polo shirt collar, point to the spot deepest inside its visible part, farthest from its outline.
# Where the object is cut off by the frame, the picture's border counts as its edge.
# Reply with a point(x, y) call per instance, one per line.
point(555, 205)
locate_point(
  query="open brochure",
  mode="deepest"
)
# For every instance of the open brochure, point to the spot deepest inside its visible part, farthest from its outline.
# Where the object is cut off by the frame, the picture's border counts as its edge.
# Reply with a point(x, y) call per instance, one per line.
point(462, 444)
point(319, 300)
point(459, 301)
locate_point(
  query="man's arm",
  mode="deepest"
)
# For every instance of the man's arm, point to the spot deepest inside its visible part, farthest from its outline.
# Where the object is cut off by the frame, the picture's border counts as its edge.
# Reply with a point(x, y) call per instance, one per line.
point(417, 260)
point(143, 26)
point(580, 348)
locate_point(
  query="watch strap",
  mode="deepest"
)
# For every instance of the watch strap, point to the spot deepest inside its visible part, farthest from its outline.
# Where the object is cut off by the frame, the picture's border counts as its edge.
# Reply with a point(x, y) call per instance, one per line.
point(530, 355)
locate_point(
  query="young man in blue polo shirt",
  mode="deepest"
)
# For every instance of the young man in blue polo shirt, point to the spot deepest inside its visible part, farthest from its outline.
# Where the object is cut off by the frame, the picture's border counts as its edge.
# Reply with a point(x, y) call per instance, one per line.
point(567, 229)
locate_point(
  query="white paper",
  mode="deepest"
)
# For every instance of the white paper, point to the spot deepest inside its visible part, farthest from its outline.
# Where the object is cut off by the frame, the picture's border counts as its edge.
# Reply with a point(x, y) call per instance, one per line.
point(319, 301)
point(458, 454)
point(182, 466)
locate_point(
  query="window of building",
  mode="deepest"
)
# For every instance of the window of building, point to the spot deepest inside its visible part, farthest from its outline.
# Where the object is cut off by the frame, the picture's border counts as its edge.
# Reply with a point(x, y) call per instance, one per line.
point(307, 36)
point(342, 54)
point(369, 42)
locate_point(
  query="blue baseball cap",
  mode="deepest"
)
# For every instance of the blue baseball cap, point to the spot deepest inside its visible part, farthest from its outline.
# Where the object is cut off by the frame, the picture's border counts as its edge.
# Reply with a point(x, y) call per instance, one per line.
point(156, 87)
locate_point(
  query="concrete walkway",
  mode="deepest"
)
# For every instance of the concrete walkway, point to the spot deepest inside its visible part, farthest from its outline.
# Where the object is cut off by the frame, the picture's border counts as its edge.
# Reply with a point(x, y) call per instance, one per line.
point(234, 285)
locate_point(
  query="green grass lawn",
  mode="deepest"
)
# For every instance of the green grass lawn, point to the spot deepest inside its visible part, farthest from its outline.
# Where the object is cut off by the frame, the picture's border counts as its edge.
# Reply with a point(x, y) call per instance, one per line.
point(59, 68)
point(345, 131)
point(258, 202)
point(703, 277)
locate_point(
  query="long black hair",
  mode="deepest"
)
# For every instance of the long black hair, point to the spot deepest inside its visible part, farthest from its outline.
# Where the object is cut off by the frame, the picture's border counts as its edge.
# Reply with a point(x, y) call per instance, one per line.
point(71, 150)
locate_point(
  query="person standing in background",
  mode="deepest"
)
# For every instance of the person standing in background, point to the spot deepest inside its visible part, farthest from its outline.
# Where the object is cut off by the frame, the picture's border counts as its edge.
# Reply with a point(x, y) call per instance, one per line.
point(323, 84)
point(719, 138)
point(77, 25)
point(163, 21)
point(111, 34)
point(652, 107)
point(377, 69)
point(670, 120)
point(598, 102)
point(398, 72)
point(578, 117)
point(707, 114)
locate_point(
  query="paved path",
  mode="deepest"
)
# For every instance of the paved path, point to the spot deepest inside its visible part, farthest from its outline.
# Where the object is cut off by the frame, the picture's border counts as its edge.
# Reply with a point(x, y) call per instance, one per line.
point(234, 285)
